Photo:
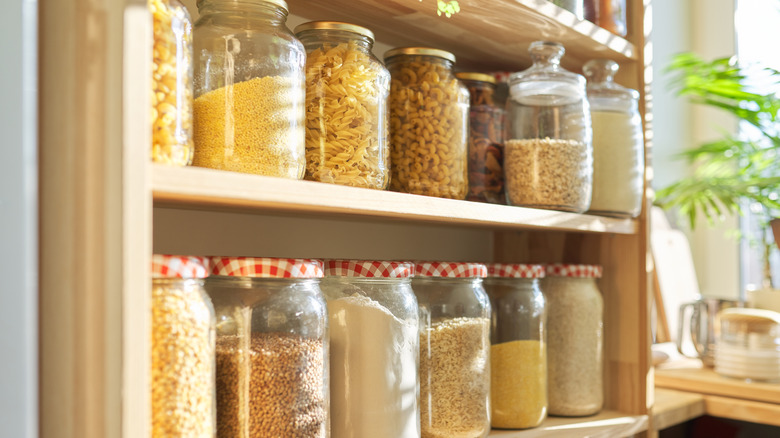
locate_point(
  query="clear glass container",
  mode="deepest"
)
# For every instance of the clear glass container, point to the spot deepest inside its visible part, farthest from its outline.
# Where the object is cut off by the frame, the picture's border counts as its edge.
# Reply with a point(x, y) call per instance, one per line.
point(486, 140)
point(454, 349)
point(182, 377)
point(575, 339)
point(548, 154)
point(576, 7)
point(374, 347)
point(171, 83)
point(347, 89)
point(618, 143)
point(518, 355)
point(749, 344)
point(612, 16)
point(272, 347)
point(429, 116)
point(249, 89)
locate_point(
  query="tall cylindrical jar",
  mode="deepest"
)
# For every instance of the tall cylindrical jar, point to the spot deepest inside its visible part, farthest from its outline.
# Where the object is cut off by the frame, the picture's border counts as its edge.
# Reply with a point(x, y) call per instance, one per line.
point(346, 106)
point(429, 111)
point(518, 355)
point(272, 347)
point(454, 349)
point(249, 89)
point(548, 153)
point(374, 349)
point(612, 16)
point(618, 144)
point(171, 83)
point(575, 337)
point(182, 377)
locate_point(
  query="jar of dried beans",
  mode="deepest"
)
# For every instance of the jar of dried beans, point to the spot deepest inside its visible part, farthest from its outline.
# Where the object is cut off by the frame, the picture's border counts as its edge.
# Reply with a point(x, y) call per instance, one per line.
point(374, 342)
point(548, 156)
point(429, 110)
point(575, 337)
point(454, 349)
point(182, 378)
point(249, 89)
point(518, 355)
point(272, 347)
point(346, 106)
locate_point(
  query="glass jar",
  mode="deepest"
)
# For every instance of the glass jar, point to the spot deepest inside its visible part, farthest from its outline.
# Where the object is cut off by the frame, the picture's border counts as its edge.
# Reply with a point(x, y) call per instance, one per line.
point(171, 83)
point(249, 89)
point(548, 157)
point(518, 355)
point(182, 377)
point(429, 112)
point(748, 346)
point(454, 349)
point(347, 89)
point(612, 16)
point(374, 349)
point(272, 347)
point(486, 144)
point(618, 143)
point(576, 7)
point(575, 336)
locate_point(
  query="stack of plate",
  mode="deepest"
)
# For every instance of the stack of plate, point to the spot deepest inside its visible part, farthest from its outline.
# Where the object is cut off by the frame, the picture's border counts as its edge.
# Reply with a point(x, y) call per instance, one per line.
point(749, 345)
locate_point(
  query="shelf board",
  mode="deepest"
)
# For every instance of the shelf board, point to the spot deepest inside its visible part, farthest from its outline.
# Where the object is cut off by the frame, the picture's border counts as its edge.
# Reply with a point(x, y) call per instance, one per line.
point(707, 381)
point(207, 189)
point(606, 424)
point(675, 407)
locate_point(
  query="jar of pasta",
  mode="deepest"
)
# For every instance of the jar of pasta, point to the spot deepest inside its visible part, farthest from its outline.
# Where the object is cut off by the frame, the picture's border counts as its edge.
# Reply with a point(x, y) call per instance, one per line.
point(249, 89)
point(346, 106)
point(429, 111)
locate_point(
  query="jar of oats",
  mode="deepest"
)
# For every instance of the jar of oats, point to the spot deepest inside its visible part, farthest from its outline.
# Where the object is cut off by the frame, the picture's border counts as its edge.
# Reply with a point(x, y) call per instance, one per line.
point(249, 89)
point(454, 349)
point(548, 154)
point(575, 339)
point(271, 349)
point(518, 354)
point(429, 110)
point(182, 377)
point(346, 106)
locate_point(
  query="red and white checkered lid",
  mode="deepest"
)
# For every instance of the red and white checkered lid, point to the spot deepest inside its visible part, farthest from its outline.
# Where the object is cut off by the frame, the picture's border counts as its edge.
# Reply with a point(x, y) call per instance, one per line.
point(266, 267)
point(368, 269)
point(567, 270)
point(450, 269)
point(515, 270)
point(174, 266)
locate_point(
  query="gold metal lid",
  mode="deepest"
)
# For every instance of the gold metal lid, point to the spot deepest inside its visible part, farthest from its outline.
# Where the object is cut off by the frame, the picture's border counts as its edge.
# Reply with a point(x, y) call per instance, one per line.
point(280, 3)
point(481, 77)
point(426, 51)
point(334, 25)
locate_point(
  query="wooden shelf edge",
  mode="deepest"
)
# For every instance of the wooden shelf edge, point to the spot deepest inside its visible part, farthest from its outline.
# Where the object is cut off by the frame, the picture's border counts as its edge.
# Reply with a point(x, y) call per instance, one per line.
point(706, 381)
point(675, 407)
point(606, 424)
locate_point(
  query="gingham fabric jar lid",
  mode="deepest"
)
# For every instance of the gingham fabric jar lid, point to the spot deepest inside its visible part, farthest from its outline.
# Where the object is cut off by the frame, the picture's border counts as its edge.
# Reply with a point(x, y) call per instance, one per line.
point(572, 270)
point(368, 269)
point(266, 267)
point(174, 266)
point(515, 270)
point(450, 269)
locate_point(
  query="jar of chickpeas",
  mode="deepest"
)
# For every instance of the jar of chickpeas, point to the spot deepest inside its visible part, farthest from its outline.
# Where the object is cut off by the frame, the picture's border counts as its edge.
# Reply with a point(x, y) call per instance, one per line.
point(429, 110)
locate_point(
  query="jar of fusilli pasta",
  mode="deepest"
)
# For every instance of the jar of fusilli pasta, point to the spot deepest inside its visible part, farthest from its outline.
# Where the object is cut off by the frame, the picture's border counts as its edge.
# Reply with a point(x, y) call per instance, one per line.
point(346, 106)
point(429, 110)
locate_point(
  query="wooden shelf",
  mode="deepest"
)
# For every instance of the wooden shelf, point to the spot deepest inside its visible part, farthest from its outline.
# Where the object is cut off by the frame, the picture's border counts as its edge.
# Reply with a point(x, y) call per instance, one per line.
point(606, 424)
point(675, 407)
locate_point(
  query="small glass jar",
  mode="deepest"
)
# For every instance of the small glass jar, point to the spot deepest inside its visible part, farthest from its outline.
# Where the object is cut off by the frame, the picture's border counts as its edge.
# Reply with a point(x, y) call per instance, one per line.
point(249, 89)
point(612, 16)
point(182, 377)
point(548, 154)
point(429, 112)
point(486, 140)
point(518, 355)
point(272, 347)
point(454, 349)
point(748, 345)
point(575, 337)
point(347, 89)
point(618, 143)
point(171, 83)
point(374, 342)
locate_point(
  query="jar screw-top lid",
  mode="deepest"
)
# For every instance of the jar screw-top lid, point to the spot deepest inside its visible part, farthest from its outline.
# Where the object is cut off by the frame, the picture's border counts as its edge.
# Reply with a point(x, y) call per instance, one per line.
point(423, 51)
point(546, 52)
point(266, 267)
point(479, 77)
point(515, 270)
point(368, 269)
point(573, 270)
point(450, 269)
point(600, 70)
point(175, 266)
point(334, 25)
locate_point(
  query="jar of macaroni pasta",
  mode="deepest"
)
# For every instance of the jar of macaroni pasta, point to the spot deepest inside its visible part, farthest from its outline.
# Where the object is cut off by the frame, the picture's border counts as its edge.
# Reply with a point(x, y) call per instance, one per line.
point(454, 349)
point(429, 110)
point(249, 89)
point(346, 106)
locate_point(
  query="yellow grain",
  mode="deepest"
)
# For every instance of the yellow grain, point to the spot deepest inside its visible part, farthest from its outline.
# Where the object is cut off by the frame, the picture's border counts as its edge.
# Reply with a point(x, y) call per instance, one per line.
point(518, 384)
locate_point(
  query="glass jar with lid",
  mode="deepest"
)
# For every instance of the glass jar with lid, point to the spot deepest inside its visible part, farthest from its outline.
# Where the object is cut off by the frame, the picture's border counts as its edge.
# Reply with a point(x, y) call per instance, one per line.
point(548, 157)
point(182, 377)
point(748, 345)
point(272, 347)
point(454, 349)
point(575, 339)
point(374, 343)
point(518, 355)
point(347, 89)
point(429, 111)
point(249, 89)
